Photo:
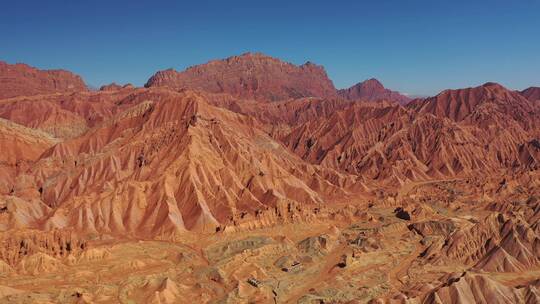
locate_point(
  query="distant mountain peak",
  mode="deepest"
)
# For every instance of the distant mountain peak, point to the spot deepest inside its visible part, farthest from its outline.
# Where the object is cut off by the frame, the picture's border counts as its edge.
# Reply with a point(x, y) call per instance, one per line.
point(373, 81)
point(532, 93)
point(459, 104)
point(491, 84)
point(251, 76)
point(372, 89)
point(494, 85)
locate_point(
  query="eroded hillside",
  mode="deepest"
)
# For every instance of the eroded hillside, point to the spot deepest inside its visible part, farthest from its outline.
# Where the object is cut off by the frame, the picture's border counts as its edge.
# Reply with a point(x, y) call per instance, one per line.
point(272, 188)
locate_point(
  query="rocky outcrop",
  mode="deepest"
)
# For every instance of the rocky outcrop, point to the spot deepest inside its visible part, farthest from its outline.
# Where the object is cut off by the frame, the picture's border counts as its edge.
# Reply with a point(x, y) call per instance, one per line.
point(24, 80)
point(115, 87)
point(372, 90)
point(532, 93)
point(19, 246)
point(251, 76)
point(110, 87)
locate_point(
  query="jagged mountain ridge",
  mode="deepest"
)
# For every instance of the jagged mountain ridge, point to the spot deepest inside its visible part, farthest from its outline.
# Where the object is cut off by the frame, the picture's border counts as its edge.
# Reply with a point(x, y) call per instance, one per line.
point(264, 78)
point(251, 76)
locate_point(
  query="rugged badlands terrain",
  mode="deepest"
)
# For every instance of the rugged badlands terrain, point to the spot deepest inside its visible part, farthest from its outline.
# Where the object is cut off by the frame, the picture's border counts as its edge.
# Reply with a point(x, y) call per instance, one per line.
point(252, 180)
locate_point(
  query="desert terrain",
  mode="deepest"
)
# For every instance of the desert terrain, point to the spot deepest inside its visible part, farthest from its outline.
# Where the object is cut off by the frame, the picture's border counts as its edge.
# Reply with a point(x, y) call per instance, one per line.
point(253, 180)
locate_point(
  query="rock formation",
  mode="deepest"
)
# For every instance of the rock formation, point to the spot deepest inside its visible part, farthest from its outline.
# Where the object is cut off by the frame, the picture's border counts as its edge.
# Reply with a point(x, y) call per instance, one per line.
point(24, 80)
point(187, 140)
point(532, 93)
point(253, 180)
point(372, 90)
point(115, 87)
point(251, 76)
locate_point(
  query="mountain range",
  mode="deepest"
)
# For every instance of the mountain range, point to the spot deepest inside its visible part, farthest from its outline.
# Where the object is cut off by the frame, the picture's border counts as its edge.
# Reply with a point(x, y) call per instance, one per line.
point(253, 143)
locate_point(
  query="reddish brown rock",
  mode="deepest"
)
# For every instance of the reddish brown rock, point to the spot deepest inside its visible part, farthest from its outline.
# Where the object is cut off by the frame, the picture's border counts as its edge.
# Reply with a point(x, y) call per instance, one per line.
point(532, 93)
point(479, 103)
point(94, 186)
point(68, 115)
point(206, 165)
point(110, 87)
point(457, 133)
point(24, 80)
point(251, 76)
point(20, 147)
point(372, 90)
point(16, 246)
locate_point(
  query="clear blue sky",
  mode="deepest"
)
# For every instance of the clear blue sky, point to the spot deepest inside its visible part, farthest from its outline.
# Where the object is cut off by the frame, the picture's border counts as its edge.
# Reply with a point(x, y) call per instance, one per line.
point(418, 47)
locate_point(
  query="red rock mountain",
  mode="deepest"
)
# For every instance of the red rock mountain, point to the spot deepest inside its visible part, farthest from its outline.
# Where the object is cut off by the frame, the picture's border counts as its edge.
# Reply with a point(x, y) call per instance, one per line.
point(532, 93)
point(251, 76)
point(372, 90)
point(214, 164)
point(463, 104)
point(23, 80)
point(123, 189)
point(459, 132)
